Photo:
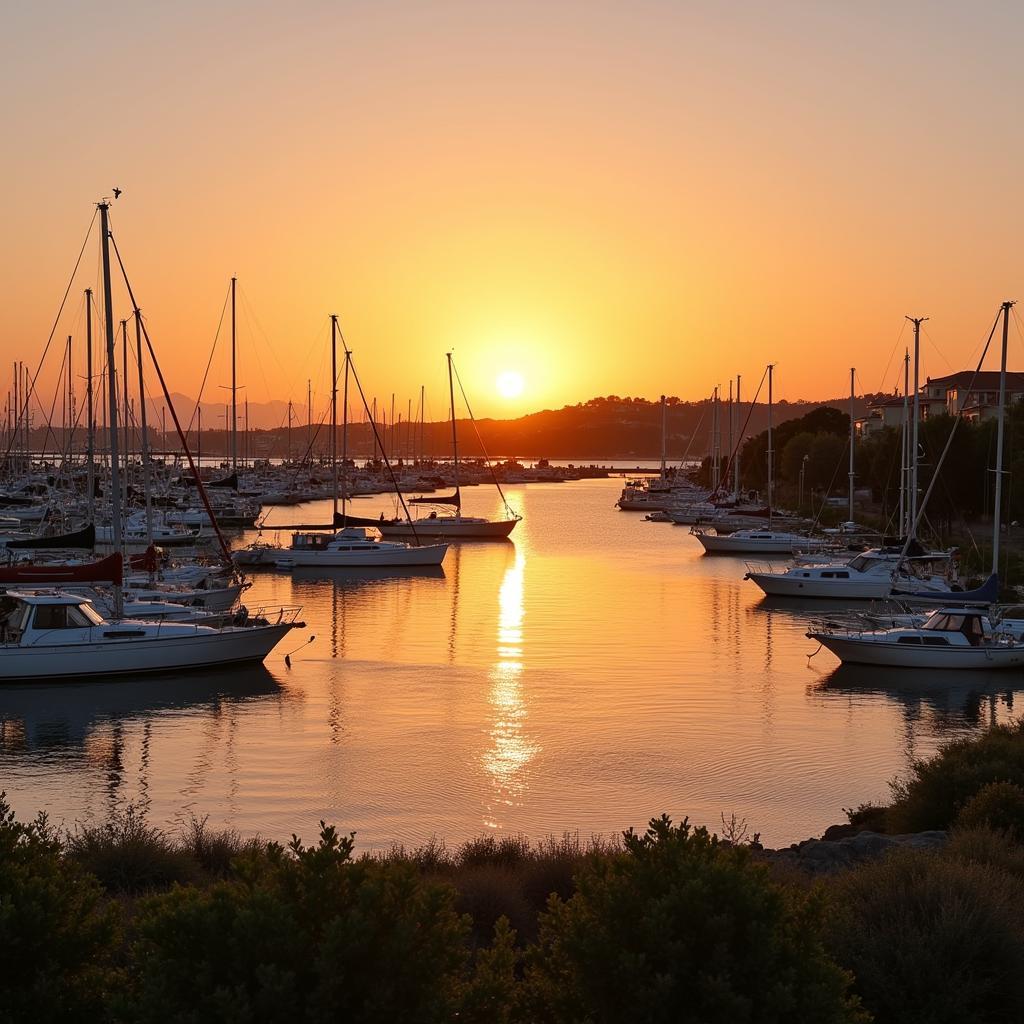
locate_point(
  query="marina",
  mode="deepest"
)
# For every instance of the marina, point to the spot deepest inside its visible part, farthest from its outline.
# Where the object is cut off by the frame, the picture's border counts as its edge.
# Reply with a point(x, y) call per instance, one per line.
point(575, 678)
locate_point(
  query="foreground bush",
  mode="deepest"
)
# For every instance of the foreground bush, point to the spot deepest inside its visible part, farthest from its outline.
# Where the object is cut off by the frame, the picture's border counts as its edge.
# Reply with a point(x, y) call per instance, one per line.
point(933, 939)
point(304, 934)
point(682, 927)
point(55, 934)
point(937, 789)
point(998, 806)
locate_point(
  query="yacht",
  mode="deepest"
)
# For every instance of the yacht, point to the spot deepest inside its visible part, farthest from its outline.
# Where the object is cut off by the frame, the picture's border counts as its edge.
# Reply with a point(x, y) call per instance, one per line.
point(355, 547)
point(868, 576)
point(767, 542)
point(954, 638)
point(52, 634)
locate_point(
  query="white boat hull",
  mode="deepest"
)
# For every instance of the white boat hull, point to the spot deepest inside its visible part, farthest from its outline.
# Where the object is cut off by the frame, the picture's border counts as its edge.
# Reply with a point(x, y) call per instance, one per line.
point(779, 585)
point(732, 545)
point(864, 651)
point(127, 656)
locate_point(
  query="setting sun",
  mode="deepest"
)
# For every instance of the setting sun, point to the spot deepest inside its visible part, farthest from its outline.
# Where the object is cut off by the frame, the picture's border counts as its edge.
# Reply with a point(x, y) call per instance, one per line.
point(510, 384)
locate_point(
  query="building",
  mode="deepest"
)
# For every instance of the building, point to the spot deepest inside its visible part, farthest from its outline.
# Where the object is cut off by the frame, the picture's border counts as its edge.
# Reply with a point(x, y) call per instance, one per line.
point(977, 395)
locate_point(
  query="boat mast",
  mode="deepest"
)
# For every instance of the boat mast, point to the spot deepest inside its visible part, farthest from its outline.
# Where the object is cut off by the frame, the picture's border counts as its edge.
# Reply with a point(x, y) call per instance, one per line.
point(422, 418)
point(289, 431)
point(146, 482)
point(664, 435)
point(731, 428)
point(736, 482)
point(334, 413)
point(455, 439)
point(1000, 429)
point(90, 429)
point(234, 385)
point(115, 468)
point(912, 518)
point(852, 371)
point(771, 453)
point(124, 398)
point(344, 438)
point(905, 468)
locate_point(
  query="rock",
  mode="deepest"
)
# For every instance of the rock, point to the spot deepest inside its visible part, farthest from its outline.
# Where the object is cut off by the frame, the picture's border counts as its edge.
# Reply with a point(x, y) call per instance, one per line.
point(834, 832)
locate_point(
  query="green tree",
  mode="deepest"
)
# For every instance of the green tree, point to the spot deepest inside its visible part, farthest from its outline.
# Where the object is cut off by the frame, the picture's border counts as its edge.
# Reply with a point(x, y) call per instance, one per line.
point(678, 927)
point(56, 935)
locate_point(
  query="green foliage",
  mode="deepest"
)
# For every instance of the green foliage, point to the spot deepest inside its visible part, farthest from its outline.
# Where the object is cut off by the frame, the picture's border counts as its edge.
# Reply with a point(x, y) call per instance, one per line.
point(55, 934)
point(303, 934)
point(682, 927)
point(937, 788)
point(128, 855)
point(931, 940)
point(999, 806)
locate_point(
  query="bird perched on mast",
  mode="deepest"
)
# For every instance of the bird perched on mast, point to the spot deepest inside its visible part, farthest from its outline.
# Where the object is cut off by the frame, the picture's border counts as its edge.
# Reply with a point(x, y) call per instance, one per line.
point(117, 192)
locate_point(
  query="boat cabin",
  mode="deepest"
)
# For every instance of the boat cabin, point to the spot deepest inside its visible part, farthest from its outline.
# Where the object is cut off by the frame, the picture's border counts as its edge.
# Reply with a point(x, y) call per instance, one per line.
point(25, 616)
point(352, 538)
point(969, 624)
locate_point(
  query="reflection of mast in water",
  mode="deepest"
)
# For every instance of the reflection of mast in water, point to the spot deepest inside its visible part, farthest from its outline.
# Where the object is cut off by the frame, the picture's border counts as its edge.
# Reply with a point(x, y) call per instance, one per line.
point(145, 800)
point(455, 558)
point(511, 750)
point(334, 703)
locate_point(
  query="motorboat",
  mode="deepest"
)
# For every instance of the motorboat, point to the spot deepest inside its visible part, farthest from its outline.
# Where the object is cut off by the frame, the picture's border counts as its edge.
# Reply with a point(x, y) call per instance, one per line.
point(955, 638)
point(355, 547)
point(866, 577)
point(767, 542)
point(53, 634)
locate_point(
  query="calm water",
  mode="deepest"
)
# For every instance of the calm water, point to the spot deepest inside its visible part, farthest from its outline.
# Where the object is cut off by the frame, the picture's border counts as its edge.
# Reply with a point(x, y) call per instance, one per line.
point(593, 672)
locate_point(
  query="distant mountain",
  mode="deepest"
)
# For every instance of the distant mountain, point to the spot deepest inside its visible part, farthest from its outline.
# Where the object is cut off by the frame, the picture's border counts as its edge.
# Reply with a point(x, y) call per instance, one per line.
point(610, 427)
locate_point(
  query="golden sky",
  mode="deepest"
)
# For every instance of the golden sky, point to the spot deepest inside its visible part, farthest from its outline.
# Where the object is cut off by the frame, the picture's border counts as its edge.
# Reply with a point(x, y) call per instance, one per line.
point(601, 197)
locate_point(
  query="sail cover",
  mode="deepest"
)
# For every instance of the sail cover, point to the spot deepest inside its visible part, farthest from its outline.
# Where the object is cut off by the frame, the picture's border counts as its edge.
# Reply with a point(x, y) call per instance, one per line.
point(84, 538)
point(454, 500)
point(107, 570)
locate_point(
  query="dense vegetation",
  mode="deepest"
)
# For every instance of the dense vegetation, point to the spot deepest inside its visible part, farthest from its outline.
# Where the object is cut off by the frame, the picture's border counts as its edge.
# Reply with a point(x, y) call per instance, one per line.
point(122, 923)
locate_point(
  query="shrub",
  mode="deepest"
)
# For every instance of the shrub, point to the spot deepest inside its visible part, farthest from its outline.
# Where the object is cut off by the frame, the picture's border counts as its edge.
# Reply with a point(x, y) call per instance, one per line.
point(128, 855)
point(939, 787)
point(215, 852)
point(680, 922)
point(303, 934)
point(55, 934)
point(999, 806)
point(931, 939)
point(987, 847)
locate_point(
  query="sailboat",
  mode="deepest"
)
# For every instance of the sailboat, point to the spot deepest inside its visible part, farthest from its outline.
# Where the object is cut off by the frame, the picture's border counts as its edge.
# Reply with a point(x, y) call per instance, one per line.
point(951, 637)
point(52, 634)
point(451, 525)
point(756, 541)
point(355, 546)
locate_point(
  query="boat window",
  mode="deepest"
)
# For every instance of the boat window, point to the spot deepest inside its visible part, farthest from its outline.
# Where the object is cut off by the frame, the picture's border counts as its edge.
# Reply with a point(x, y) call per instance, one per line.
point(55, 616)
point(934, 641)
point(859, 564)
point(908, 640)
point(937, 621)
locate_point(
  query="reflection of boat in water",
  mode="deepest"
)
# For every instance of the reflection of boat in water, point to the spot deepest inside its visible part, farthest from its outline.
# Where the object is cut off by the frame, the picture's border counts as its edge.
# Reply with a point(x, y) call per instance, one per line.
point(43, 716)
point(357, 575)
point(944, 691)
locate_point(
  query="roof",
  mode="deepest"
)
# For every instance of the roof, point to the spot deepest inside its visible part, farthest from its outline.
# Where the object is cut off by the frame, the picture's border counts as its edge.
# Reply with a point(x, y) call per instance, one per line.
point(49, 597)
point(986, 380)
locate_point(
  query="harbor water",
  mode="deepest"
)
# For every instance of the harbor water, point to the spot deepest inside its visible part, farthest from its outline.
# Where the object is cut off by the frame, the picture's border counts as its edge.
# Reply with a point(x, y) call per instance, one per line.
point(592, 672)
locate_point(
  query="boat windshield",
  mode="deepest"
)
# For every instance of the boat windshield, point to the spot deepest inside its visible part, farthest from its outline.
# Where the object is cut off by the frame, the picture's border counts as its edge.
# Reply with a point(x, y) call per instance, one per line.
point(944, 623)
point(860, 563)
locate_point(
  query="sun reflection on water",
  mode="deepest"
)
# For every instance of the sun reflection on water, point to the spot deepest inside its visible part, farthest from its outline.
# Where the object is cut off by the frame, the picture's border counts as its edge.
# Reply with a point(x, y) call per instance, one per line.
point(508, 758)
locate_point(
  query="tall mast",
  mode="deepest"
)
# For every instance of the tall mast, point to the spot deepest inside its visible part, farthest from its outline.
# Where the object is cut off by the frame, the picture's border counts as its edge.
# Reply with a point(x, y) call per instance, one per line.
point(334, 411)
point(731, 427)
point(344, 438)
point(90, 429)
point(905, 467)
point(852, 371)
point(146, 482)
point(664, 434)
point(422, 418)
point(912, 474)
point(736, 473)
point(309, 419)
point(771, 453)
point(289, 459)
point(1000, 429)
point(124, 398)
point(234, 385)
point(455, 439)
point(70, 416)
point(115, 468)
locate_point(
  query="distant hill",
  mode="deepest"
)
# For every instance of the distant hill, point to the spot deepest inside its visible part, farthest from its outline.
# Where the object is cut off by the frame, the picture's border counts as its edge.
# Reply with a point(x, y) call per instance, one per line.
point(610, 427)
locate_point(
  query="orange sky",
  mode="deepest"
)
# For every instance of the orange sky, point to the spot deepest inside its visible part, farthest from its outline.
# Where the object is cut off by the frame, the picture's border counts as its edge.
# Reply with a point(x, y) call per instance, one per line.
point(605, 197)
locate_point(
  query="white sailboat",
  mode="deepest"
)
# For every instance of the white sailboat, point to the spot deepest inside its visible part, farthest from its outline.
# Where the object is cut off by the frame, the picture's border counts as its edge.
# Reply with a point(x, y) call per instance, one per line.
point(456, 525)
point(56, 635)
